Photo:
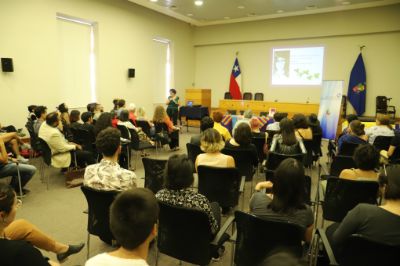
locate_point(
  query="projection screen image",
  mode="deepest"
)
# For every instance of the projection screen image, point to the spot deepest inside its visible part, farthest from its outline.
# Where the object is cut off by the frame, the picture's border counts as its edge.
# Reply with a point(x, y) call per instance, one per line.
point(297, 66)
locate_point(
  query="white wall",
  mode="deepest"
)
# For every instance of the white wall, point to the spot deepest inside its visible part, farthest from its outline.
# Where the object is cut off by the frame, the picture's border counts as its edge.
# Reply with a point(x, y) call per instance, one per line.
point(340, 33)
point(124, 40)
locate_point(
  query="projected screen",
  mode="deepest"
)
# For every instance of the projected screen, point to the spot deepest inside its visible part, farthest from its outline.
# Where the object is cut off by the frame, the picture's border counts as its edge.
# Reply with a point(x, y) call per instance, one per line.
point(297, 66)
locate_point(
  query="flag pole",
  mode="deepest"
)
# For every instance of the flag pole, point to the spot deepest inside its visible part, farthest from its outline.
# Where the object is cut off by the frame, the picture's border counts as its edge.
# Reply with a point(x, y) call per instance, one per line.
point(361, 48)
point(237, 53)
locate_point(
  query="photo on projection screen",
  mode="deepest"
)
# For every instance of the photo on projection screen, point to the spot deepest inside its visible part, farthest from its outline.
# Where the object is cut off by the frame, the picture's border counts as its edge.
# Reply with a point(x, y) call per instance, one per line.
point(297, 66)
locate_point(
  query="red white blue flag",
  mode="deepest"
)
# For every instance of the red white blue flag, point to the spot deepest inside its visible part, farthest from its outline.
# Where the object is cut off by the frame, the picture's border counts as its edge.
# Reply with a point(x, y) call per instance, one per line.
point(235, 81)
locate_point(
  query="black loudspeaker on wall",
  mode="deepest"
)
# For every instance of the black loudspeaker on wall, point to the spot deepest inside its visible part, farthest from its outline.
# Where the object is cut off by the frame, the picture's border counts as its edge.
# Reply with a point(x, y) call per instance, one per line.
point(7, 65)
point(131, 72)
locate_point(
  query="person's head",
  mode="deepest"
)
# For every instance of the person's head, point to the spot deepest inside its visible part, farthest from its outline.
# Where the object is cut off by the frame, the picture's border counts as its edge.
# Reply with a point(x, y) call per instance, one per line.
point(74, 116)
point(87, 117)
point(115, 103)
point(254, 123)
point(351, 117)
point(104, 121)
point(124, 115)
point(357, 128)
point(288, 188)
point(172, 92)
point(366, 157)
point(121, 103)
point(248, 114)
point(98, 108)
point(90, 107)
point(217, 116)
point(300, 121)
point(211, 141)
point(383, 120)
point(108, 142)
point(391, 182)
point(206, 123)
point(53, 119)
point(132, 107)
point(242, 134)
point(141, 112)
point(159, 114)
point(133, 218)
point(287, 131)
point(281, 258)
point(8, 205)
point(31, 108)
point(178, 172)
point(313, 120)
point(41, 111)
point(62, 108)
point(279, 116)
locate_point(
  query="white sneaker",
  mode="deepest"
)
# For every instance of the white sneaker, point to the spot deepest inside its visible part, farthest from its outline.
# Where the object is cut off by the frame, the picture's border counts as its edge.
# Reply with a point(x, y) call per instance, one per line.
point(22, 159)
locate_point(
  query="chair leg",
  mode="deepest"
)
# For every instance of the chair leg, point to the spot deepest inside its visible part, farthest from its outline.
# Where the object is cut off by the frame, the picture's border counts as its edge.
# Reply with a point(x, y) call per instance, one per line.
point(19, 182)
point(156, 254)
point(48, 181)
point(88, 246)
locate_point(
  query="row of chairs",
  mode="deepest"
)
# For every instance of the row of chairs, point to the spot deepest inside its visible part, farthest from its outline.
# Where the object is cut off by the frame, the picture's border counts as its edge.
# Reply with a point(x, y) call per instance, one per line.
point(258, 96)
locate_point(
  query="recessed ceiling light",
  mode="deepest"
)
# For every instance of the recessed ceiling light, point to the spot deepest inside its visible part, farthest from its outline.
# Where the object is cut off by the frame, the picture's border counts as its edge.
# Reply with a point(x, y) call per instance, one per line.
point(280, 11)
point(227, 18)
point(153, 1)
point(346, 3)
point(241, 7)
point(198, 2)
point(311, 7)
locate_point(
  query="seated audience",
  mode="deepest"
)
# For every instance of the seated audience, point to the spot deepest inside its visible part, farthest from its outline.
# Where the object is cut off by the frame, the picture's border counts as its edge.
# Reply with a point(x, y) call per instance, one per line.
point(132, 113)
point(302, 129)
point(349, 119)
point(206, 123)
point(133, 222)
point(115, 104)
point(104, 121)
point(255, 129)
point(13, 142)
point(160, 116)
point(87, 119)
point(355, 134)
point(10, 168)
point(286, 141)
point(60, 148)
point(378, 223)
point(177, 192)
point(74, 119)
point(32, 115)
point(241, 141)
point(108, 175)
point(314, 124)
point(217, 117)
point(366, 158)
point(96, 109)
point(141, 116)
point(121, 106)
point(287, 202)
point(247, 115)
point(382, 128)
point(15, 252)
point(40, 113)
point(212, 144)
point(65, 122)
point(277, 118)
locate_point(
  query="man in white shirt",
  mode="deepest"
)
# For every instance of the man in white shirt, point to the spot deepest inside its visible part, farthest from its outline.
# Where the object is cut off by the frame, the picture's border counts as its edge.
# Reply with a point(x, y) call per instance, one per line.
point(133, 222)
point(108, 174)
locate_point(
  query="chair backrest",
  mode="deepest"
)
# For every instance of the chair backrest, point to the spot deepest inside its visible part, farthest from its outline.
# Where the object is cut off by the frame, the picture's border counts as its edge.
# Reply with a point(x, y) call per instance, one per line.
point(358, 250)
point(144, 125)
point(154, 171)
point(271, 134)
point(259, 143)
point(259, 96)
point(275, 159)
point(34, 138)
point(160, 127)
point(382, 142)
point(347, 149)
point(342, 195)
point(99, 203)
point(308, 159)
point(247, 96)
point(381, 104)
point(219, 184)
point(257, 237)
point(192, 151)
point(45, 150)
point(339, 163)
point(84, 137)
point(124, 131)
point(242, 161)
point(135, 141)
point(227, 95)
point(184, 234)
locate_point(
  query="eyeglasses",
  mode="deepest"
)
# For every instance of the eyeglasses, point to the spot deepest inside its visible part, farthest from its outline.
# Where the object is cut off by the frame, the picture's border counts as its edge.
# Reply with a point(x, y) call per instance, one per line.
point(19, 204)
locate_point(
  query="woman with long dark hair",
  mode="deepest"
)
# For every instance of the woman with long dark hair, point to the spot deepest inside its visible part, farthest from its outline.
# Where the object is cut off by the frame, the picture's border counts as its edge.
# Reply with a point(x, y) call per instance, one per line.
point(286, 141)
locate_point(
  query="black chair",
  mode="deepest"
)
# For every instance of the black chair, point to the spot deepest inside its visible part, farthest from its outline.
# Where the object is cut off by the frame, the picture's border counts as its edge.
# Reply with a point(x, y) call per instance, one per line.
point(185, 234)
point(85, 138)
point(126, 149)
point(359, 250)
point(164, 137)
point(243, 161)
point(347, 149)
point(382, 106)
point(46, 159)
point(257, 237)
point(247, 96)
point(227, 95)
point(259, 96)
point(275, 159)
point(33, 138)
point(154, 171)
point(382, 142)
point(99, 214)
point(342, 195)
point(271, 134)
point(231, 112)
point(138, 145)
point(192, 152)
point(222, 185)
point(145, 126)
point(340, 163)
point(259, 143)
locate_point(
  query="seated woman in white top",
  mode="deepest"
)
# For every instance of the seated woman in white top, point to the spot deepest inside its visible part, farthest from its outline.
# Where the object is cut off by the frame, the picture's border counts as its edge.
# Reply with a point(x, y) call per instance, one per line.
point(211, 143)
point(382, 128)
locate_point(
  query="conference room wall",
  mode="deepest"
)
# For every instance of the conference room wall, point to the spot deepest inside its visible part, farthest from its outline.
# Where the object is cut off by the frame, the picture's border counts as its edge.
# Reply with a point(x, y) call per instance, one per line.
point(28, 31)
point(340, 33)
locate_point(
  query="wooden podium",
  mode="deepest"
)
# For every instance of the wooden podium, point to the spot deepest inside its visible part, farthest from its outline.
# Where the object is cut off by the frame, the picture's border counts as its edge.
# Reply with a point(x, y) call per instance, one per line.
point(197, 97)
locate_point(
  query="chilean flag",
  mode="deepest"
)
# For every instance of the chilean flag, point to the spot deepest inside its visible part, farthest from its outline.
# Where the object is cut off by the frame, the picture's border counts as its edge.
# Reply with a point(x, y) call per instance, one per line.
point(235, 82)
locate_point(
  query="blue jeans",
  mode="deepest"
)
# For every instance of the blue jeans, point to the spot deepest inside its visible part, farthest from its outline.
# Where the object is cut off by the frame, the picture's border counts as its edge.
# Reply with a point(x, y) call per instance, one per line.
point(26, 171)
